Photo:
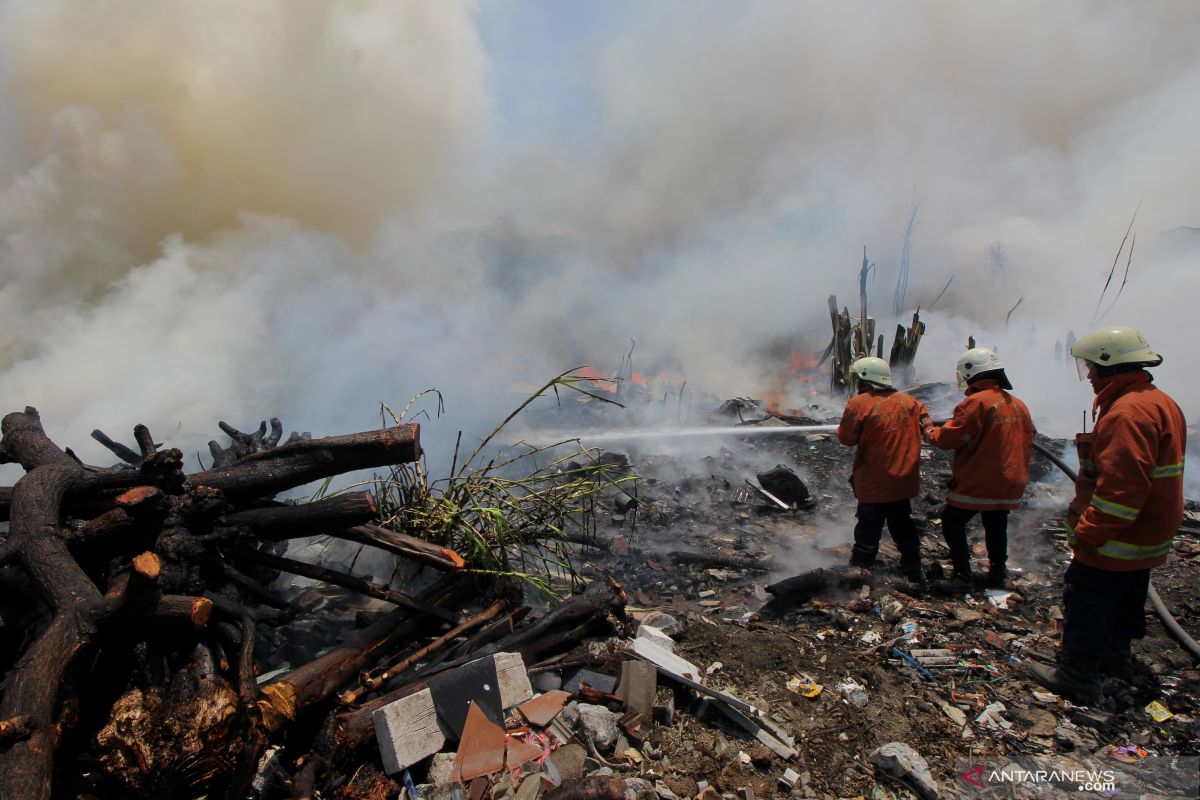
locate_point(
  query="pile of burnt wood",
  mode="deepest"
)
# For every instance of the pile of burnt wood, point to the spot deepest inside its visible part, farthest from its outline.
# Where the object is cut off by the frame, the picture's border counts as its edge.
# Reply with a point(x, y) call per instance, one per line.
point(131, 599)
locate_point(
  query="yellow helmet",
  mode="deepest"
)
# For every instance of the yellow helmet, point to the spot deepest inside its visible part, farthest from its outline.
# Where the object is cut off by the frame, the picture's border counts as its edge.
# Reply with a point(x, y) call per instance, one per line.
point(1107, 347)
point(875, 371)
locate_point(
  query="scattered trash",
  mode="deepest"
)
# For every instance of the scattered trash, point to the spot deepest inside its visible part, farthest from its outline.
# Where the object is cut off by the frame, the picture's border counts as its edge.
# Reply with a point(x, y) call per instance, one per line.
point(908, 629)
point(804, 688)
point(855, 692)
point(993, 716)
point(937, 657)
point(1000, 598)
point(1049, 698)
point(890, 610)
point(913, 663)
point(1127, 754)
point(871, 637)
point(1158, 712)
point(789, 778)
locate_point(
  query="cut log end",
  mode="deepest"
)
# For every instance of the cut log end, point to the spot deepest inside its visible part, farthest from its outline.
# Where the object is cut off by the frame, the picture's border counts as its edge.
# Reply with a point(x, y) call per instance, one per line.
point(277, 704)
point(148, 566)
point(138, 495)
point(201, 610)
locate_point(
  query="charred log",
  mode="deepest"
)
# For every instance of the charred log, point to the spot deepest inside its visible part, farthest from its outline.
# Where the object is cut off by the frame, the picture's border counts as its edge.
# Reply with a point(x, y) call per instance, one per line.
point(401, 544)
point(352, 582)
point(301, 462)
point(799, 589)
point(278, 521)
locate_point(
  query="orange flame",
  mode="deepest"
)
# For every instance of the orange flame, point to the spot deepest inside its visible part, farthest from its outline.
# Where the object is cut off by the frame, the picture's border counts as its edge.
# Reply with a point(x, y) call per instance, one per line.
point(799, 375)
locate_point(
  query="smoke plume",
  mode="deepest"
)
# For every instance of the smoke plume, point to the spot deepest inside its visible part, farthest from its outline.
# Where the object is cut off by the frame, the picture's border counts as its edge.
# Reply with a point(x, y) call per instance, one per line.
point(232, 210)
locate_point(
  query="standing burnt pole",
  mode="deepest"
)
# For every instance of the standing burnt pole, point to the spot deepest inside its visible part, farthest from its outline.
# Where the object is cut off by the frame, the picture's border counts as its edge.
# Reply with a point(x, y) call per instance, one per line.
point(854, 339)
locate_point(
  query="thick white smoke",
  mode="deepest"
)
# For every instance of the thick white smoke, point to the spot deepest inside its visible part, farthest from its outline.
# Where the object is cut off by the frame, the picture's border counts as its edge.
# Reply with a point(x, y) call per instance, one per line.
point(230, 210)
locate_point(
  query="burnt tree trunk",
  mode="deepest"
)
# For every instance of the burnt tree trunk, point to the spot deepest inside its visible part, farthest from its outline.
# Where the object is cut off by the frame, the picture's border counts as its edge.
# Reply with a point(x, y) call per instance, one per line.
point(301, 462)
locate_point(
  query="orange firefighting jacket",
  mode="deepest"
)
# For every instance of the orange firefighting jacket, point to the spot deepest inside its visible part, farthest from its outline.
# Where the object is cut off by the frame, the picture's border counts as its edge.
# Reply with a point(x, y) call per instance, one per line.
point(991, 434)
point(886, 426)
point(1129, 497)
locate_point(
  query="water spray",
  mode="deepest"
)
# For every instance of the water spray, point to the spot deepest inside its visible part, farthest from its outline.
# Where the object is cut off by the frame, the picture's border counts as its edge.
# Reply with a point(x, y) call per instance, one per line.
point(630, 434)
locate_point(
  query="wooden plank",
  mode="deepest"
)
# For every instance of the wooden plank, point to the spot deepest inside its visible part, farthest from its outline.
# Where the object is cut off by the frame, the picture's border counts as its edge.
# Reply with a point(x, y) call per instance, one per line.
point(514, 680)
point(408, 730)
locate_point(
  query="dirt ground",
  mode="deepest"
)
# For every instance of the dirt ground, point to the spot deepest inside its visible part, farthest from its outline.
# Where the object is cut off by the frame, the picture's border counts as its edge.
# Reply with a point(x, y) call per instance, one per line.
point(694, 507)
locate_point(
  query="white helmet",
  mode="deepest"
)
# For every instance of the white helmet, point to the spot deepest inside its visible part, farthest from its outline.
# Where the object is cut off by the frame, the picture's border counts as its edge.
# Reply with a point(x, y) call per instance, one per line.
point(1113, 345)
point(975, 361)
point(875, 371)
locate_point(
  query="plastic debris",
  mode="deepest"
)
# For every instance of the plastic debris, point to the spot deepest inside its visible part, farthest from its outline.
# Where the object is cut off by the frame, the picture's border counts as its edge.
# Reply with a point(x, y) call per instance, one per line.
point(1158, 712)
point(913, 664)
point(804, 689)
point(1127, 754)
point(871, 637)
point(854, 691)
point(993, 716)
point(1000, 598)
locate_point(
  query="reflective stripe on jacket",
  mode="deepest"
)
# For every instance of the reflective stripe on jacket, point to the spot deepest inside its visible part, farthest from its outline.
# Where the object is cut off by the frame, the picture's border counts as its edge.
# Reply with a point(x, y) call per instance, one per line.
point(1129, 497)
point(886, 427)
point(991, 434)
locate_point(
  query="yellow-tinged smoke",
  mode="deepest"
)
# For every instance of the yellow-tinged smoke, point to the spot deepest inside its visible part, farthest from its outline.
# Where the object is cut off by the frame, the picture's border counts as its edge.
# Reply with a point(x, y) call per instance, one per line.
point(142, 119)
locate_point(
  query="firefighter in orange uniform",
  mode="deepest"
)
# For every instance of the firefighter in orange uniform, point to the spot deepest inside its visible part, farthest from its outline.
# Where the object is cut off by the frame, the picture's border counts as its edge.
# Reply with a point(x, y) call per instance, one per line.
point(1128, 505)
point(991, 434)
point(886, 426)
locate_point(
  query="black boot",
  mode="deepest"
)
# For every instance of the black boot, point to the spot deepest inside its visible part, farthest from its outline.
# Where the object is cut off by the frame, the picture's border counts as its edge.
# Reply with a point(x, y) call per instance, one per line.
point(910, 568)
point(997, 578)
point(961, 583)
point(1076, 679)
point(1119, 662)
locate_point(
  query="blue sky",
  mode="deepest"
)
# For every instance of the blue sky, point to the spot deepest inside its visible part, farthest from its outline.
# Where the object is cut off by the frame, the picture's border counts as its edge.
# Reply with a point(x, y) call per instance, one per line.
point(541, 56)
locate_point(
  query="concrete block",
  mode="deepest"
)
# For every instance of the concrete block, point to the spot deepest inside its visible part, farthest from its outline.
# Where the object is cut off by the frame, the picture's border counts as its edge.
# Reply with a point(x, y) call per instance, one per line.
point(638, 686)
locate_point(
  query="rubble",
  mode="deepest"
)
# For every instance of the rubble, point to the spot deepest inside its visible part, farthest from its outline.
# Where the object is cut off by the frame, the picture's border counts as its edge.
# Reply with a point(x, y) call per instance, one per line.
point(901, 761)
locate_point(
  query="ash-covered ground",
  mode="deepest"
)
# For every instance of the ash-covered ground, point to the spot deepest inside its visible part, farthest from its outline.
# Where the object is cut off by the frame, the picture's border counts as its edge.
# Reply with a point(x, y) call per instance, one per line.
point(701, 546)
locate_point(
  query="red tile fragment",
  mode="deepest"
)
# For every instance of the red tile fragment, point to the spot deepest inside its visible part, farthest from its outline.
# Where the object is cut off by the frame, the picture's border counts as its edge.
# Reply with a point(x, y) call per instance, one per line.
point(521, 752)
point(481, 748)
point(541, 710)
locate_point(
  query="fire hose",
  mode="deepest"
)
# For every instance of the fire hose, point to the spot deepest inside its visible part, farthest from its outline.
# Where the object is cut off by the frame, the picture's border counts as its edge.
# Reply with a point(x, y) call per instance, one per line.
point(1160, 607)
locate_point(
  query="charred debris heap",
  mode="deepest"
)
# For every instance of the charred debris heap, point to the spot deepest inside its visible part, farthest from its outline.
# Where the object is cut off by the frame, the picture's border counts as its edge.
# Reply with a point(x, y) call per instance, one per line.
point(136, 603)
